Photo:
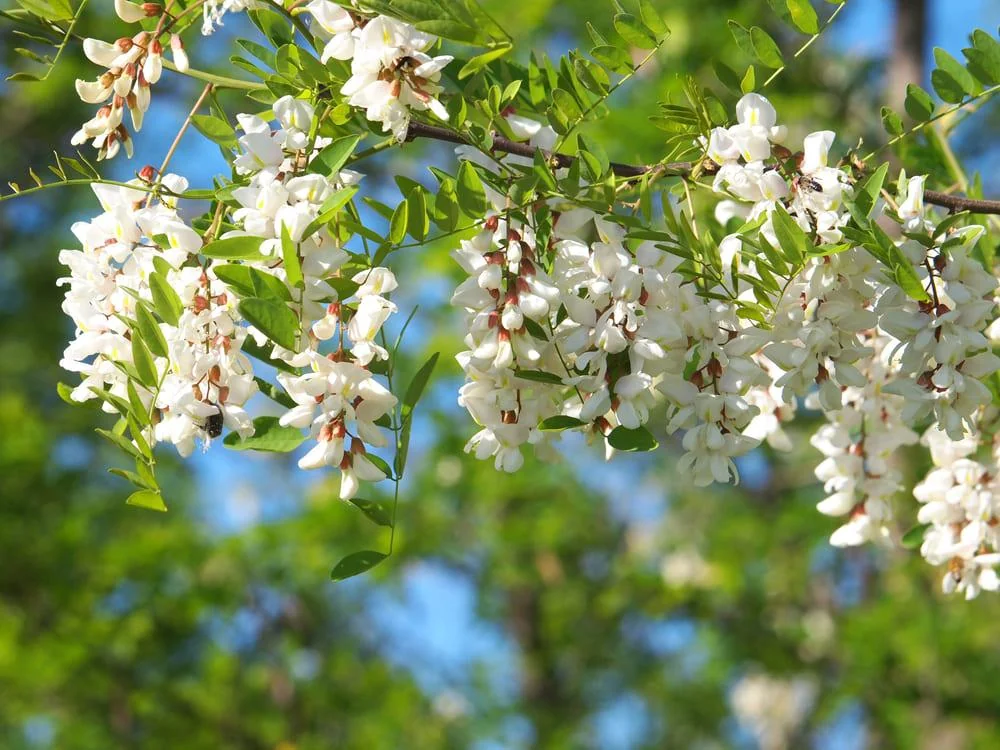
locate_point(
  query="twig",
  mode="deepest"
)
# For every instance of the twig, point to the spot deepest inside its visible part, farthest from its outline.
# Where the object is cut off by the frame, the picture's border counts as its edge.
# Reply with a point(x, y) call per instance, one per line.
point(180, 134)
point(433, 132)
point(808, 42)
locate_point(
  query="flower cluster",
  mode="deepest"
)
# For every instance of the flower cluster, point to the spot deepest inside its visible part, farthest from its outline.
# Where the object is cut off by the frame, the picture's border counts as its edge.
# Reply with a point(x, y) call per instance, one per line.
point(942, 343)
point(214, 10)
point(961, 504)
point(858, 443)
point(391, 72)
point(589, 329)
point(133, 65)
point(198, 379)
point(337, 397)
point(573, 320)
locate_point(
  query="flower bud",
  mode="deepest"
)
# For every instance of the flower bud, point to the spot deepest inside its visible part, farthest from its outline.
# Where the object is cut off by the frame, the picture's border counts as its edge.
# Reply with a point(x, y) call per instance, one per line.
point(180, 56)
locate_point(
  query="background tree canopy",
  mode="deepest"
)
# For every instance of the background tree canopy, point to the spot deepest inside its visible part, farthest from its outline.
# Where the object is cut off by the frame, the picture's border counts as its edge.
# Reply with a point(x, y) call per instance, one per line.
point(581, 605)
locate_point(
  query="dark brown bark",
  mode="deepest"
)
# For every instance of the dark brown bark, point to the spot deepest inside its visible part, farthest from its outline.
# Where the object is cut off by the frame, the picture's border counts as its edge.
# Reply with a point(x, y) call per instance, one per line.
point(906, 63)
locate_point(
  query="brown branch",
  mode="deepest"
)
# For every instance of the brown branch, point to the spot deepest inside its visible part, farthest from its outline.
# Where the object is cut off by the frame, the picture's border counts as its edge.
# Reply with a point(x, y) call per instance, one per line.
point(961, 202)
point(677, 168)
point(507, 146)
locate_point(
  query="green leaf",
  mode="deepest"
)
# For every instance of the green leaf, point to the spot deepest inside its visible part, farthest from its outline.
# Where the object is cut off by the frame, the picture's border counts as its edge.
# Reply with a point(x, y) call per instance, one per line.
point(793, 240)
point(915, 536)
point(397, 225)
point(274, 393)
point(50, 10)
point(329, 210)
point(909, 281)
point(165, 300)
point(377, 511)
point(892, 123)
point(150, 331)
point(446, 206)
point(122, 442)
point(470, 192)
point(453, 30)
point(566, 104)
point(134, 478)
point(416, 387)
point(560, 422)
point(742, 37)
point(803, 15)
point(149, 499)
point(480, 61)
point(538, 376)
point(870, 189)
point(234, 248)
point(215, 129)
point(652, 18)
point(332, 158)
point(984, 57)
point(633, 31)
point(356, 563)
point(613, 57)
point(958, 72)
point(417, 223)
point(947, 87)
point(290, 258)
point(268, 436)
point(765, 48)
point(273, 318)
point(143, 362)
point(749, 82)
point(918, 103)
point(639, 439)
point(726, 75)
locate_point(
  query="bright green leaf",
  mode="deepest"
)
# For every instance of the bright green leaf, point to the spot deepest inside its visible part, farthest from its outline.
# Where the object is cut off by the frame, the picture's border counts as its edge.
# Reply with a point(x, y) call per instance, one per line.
point(274, 319)
point(356, 563)
point(268, 436)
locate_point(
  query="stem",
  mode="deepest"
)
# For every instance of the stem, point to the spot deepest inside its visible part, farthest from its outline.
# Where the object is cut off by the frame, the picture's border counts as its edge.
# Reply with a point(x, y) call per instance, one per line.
point(808, 42)
point(220, 82)
point(66, 38)
point(433, 132)
point(377, 148)
point(177, 138)
point(984, 94)
point(75, 181)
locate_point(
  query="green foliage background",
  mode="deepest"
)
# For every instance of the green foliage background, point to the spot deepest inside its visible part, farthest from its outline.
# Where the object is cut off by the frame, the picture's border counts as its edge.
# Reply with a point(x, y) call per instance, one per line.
point(123, 628)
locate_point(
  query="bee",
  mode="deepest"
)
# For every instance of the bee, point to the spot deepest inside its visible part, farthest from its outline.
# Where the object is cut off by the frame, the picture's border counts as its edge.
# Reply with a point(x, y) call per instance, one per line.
point(213, 425)
point(807, 184)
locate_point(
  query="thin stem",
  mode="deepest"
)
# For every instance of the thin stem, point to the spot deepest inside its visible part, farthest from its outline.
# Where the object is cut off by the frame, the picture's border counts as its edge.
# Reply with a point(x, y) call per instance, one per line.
point(984, 94)
point(75, 181)
point(377, 148)
point(66, 38)
point(808, 42)
point(220, 82)
point(433, 132)
point(177, 138)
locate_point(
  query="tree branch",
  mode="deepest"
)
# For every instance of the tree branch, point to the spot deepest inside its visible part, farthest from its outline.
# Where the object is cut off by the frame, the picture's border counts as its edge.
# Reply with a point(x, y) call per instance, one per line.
point(677, 168)
point(421, 130)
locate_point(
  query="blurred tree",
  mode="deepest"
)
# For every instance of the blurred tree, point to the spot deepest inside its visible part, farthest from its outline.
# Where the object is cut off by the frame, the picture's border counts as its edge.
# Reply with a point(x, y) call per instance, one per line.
point(625, 609)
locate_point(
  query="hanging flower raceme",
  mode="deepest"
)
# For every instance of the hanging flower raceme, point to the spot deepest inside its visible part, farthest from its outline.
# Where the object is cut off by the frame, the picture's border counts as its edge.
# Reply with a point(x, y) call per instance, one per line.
point(189, 375)
point(960, 500)
point(941, 340)
point(132, 66)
